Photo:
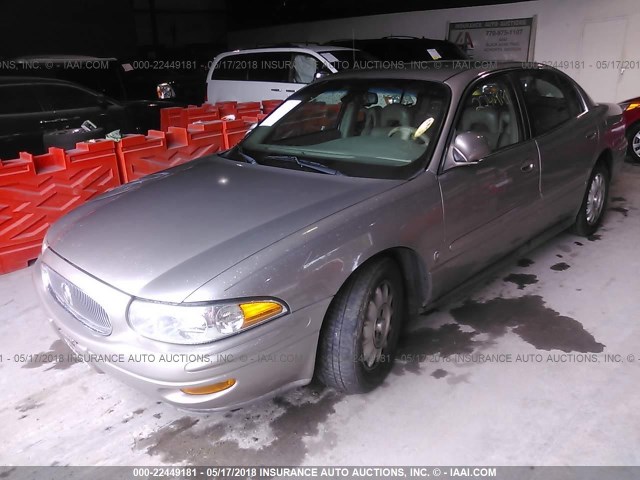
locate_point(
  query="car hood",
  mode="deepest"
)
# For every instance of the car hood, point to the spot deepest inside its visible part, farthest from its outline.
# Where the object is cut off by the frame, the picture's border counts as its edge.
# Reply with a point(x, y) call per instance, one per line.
point(163, 237)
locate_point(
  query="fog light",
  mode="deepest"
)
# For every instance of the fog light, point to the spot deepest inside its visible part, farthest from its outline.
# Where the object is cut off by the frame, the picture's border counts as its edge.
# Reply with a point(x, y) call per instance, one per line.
point(209, 389)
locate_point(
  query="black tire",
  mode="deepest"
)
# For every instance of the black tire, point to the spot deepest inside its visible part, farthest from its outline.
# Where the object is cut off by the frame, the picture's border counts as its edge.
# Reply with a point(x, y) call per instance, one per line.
point(342, 363)
point(585, 223)
point(632, 132)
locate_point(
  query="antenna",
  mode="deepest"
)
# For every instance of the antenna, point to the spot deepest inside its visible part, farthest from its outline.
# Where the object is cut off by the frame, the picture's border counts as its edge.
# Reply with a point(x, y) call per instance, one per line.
point(353, 46)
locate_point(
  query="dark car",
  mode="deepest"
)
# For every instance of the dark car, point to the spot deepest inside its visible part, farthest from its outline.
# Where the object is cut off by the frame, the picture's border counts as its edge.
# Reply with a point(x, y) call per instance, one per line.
point(406, 49)
point(631, 110)
point(37, 113)
point(144, 90)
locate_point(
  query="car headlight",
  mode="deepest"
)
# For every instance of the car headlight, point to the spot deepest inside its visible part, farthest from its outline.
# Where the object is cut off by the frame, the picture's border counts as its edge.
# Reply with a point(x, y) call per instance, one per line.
point(200, 323)
point(44, 246)
point(626, 106)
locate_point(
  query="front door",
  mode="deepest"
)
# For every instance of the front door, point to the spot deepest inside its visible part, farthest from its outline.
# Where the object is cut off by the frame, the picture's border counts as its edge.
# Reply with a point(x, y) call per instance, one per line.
point(488, 204)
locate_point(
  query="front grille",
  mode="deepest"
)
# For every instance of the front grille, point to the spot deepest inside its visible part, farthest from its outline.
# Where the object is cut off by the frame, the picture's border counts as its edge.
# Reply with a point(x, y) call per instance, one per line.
point(84, 308)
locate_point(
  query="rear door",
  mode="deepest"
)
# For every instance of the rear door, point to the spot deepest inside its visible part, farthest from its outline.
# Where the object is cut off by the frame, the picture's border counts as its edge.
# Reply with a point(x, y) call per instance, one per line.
point(566, 135)
point(69, 106)
point(488, 206)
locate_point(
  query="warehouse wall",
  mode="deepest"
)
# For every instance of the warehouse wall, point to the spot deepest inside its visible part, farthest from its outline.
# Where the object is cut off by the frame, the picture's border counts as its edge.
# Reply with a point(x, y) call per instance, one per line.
point(90, 27)
point(583, 34)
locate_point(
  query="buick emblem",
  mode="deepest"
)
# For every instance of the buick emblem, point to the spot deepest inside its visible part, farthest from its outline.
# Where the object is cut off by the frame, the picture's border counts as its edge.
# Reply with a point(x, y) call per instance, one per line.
point(66, 294)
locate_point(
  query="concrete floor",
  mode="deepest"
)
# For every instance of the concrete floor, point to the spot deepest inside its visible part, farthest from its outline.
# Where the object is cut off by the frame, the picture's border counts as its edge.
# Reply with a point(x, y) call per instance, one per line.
point(573, 296)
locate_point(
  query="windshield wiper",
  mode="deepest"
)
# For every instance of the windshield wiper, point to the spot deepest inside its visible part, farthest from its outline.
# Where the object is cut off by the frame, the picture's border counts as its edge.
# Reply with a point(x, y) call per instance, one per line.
point(318, 167)
point(238, 149)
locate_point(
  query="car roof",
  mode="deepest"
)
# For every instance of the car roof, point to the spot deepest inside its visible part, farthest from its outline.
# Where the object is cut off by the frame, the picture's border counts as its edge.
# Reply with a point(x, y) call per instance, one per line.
point(441, 71)
point(61, 58)
point(392, 38)
point(15, 80)
point(289, 47)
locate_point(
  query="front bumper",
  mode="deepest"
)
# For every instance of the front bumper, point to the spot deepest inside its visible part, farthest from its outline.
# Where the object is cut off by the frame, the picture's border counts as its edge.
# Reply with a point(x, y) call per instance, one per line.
point(263, 361)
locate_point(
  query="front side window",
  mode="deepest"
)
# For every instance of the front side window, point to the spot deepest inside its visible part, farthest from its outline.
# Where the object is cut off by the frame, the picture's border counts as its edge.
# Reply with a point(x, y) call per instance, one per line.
point(369, 128)
point(550, 100)
point(304, 68)
point(489, 110)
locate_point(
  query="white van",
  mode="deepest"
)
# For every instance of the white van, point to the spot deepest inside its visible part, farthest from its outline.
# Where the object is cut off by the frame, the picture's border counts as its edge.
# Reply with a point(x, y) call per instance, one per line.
point(276, 72)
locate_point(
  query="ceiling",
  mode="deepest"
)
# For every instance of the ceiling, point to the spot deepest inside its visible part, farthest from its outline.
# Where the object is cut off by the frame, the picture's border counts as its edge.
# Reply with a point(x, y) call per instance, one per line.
point(271, 12)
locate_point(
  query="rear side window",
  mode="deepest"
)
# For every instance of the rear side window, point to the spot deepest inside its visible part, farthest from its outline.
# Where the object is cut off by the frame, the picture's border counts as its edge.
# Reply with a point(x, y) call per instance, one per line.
point(63, 97)
point(232, 67)
point(551, 100)
point(16, 99)
point(254, 67)
point(269, 67)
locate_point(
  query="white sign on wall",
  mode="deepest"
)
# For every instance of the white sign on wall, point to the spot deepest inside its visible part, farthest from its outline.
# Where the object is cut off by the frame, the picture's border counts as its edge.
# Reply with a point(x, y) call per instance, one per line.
point(510, 39)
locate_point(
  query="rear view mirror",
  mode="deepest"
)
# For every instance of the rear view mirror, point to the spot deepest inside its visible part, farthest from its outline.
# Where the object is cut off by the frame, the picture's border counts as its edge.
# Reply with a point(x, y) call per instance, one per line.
point(469, 148)
point(366, 99)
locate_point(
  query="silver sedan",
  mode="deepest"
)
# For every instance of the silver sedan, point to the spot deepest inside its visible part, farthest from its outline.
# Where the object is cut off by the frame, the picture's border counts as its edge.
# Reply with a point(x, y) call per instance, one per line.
point(363, 199)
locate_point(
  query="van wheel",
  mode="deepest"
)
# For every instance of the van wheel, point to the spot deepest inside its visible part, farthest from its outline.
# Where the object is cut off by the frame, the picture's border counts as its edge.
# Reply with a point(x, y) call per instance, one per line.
point(360, 332)
point(594, 203)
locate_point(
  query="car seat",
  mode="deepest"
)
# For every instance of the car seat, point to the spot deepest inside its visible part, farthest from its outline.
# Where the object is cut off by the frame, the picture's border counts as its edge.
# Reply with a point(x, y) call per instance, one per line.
point(484, 121)
point(391, 116)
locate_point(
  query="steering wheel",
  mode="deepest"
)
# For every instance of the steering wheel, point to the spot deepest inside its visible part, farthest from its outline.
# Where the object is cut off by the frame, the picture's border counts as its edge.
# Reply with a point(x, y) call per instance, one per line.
point(407, 133)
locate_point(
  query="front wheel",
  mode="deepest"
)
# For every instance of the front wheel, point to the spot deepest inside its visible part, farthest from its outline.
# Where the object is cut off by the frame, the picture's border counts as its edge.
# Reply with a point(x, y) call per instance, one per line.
point(633, 136)
point(594, 203)
point(360, 334)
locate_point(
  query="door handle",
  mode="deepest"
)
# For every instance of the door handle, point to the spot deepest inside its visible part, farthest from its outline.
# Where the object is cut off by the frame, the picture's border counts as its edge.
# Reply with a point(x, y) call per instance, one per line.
point(527, 167)
point(591, 136)
point(276, 90)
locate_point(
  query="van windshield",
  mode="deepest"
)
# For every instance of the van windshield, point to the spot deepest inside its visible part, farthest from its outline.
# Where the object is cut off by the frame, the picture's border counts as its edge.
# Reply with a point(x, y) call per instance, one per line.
point(359, 127)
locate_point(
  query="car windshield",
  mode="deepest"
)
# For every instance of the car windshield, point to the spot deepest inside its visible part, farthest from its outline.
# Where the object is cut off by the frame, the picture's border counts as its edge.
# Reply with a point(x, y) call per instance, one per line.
point(349, 59)
point(357, 127)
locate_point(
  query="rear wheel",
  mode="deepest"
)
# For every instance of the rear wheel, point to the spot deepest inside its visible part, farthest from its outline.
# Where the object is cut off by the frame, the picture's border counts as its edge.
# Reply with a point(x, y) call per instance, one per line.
point(594, 203)
point(360, 334)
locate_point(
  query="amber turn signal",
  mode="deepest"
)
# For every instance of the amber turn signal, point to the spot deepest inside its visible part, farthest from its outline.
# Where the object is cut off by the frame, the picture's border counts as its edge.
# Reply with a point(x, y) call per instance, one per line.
point(255, 312)
point(209, 389)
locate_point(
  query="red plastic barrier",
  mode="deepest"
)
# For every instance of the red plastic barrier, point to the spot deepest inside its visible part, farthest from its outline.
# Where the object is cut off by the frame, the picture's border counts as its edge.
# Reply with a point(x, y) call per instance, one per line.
point(269, 106)
point(234, 131)
point(172, 117)
point(252, 119)
point(248, 109)
point(227, 108)
point(141, 155)
point(183, 117)
point(36, 190)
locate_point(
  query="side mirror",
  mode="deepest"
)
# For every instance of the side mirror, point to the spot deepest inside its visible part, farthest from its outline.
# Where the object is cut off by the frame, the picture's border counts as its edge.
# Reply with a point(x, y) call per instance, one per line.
point(469, 148)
